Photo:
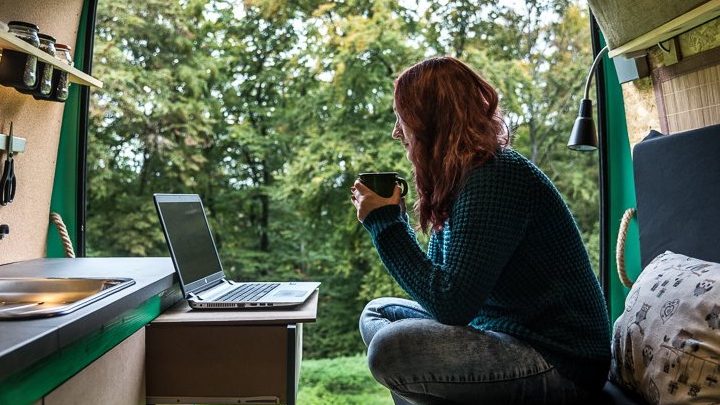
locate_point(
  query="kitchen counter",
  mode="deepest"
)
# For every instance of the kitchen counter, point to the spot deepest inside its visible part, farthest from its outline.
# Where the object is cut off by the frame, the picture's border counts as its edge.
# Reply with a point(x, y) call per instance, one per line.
point(25, 343)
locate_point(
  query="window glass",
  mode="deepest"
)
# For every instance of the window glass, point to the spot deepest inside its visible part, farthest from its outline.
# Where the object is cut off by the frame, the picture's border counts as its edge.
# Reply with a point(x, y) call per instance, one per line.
point(269, 109)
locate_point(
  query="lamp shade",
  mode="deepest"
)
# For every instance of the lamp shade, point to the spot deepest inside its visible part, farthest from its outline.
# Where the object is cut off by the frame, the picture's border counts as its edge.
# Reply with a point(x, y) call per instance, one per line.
point(583, 136)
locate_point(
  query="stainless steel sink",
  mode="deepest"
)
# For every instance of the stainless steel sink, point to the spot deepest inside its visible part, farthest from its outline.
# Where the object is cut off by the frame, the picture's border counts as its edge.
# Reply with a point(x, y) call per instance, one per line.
point(22, 298)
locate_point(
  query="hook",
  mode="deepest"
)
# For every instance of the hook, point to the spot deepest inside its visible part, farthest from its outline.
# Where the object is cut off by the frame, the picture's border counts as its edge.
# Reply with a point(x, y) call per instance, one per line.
point(662, 47)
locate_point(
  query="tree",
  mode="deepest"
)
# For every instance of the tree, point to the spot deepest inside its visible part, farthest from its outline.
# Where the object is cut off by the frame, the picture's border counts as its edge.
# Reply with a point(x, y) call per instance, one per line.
point(269, 109)
point(147, 137)
point(536, 55)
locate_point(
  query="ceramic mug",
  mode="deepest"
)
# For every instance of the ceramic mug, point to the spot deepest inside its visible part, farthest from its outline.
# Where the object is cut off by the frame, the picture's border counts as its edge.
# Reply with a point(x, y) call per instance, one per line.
point(383, 183)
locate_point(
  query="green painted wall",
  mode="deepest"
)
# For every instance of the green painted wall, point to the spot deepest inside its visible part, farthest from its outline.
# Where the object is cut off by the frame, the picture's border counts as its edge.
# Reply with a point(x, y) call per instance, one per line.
point(621, 191)
point(65, 186)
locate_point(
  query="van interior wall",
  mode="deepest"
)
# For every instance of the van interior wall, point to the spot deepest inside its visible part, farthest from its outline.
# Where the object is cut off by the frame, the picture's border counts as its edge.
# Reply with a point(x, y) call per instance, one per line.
point(676, 102)
point(39, 122)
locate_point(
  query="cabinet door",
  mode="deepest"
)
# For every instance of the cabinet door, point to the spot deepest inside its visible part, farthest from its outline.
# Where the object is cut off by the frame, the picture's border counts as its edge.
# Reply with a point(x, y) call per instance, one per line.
point(118, 377)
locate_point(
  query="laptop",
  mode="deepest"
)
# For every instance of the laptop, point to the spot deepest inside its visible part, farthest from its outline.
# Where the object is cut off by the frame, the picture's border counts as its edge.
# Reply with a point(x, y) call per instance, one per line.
point(198, 267)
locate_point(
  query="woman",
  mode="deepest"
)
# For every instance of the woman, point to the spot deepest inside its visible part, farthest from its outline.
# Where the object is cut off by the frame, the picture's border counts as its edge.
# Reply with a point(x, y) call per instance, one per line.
point(506, 308)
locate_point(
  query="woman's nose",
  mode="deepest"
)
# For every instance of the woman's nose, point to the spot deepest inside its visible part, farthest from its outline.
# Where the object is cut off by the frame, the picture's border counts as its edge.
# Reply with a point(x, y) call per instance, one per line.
point(397, 132)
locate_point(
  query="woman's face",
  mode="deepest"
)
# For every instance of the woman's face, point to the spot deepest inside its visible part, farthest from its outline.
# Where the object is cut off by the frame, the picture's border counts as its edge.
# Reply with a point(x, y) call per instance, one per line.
point(402, 133)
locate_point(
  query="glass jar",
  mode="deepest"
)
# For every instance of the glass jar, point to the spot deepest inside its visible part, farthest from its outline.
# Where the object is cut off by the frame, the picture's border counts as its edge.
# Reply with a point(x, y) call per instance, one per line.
point(61, 84)
point(45, 70)
point(18, 69)
point(3, 28)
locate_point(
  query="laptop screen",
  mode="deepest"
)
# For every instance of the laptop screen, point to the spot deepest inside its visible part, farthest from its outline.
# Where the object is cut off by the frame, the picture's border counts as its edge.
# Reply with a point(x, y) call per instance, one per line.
point(188, 237)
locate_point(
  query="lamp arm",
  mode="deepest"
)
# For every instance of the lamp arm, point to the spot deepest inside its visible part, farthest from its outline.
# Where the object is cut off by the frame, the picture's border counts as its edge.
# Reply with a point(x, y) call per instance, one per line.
point(597, 60)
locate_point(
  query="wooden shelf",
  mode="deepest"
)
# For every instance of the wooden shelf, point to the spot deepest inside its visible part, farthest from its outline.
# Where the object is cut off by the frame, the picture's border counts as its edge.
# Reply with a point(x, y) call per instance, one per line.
point(670, 29)
point(11, 42)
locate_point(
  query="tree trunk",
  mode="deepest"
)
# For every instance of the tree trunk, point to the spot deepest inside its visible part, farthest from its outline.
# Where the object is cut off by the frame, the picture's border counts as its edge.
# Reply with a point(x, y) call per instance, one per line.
point(265, 210)
point(144, 171)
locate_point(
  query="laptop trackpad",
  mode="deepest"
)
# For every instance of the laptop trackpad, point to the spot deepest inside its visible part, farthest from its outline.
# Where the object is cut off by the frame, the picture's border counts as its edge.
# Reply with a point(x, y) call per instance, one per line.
point(289, 293)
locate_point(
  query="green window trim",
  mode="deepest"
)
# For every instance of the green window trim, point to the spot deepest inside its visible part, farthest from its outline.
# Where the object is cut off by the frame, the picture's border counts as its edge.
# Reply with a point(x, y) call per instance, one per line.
point(68, 195)
point(617, 183)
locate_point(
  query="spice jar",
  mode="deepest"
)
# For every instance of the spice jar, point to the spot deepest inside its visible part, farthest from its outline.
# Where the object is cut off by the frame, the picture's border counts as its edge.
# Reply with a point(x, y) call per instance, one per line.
point(18, 69)
point(61, 84)
point(44, 70)
point(3, 28)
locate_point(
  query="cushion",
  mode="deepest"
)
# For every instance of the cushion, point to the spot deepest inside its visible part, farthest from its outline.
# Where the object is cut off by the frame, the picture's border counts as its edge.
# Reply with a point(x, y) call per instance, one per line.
point(677, 187)
point(666, 344)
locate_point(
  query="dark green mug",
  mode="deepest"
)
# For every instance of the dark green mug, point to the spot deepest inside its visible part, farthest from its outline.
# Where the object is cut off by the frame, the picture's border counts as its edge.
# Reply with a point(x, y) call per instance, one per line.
point(383, 183)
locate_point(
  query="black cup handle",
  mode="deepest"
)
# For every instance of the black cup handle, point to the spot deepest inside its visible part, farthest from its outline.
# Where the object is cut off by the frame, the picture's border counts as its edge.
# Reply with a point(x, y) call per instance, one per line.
point(403, 184)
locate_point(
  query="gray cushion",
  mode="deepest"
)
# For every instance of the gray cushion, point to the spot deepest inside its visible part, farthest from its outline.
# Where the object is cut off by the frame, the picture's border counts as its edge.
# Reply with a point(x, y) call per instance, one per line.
point(677, 187)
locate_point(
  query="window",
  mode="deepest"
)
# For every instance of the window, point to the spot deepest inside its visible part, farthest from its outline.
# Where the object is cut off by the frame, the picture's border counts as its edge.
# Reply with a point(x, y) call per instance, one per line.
point(269, 109)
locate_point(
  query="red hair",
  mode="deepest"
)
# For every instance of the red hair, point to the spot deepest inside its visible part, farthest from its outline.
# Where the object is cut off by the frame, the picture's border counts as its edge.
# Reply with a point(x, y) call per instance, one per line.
point(455, 125)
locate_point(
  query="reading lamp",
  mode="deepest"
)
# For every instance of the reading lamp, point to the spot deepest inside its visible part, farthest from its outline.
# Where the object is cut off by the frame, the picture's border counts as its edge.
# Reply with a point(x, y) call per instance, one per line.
point(583, 136)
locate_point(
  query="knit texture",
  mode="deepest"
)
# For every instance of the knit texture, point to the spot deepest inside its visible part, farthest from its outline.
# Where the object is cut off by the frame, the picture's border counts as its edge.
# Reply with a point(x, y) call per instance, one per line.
point(509, 259)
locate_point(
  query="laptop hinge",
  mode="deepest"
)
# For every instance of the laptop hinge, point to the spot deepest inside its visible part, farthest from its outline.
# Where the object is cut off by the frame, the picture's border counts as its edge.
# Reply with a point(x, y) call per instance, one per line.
point(206, 287)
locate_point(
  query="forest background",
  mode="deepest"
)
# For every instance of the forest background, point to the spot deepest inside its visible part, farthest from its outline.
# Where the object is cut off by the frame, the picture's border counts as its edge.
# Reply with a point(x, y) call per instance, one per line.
point(268, 109)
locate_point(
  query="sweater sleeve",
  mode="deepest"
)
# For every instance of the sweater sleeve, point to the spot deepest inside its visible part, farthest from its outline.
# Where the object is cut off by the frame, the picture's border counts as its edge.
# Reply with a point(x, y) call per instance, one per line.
point(487, 223)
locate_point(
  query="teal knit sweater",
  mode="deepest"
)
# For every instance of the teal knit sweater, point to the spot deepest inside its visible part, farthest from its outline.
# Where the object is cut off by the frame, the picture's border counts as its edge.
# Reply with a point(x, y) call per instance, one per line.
point(509, 259)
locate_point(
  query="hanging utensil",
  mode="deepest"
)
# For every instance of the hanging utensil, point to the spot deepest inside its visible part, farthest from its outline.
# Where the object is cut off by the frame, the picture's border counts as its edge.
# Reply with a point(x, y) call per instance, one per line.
point(8, 182)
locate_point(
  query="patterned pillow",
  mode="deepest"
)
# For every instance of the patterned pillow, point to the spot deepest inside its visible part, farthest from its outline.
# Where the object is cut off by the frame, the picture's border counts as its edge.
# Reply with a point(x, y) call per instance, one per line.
point(666, 345)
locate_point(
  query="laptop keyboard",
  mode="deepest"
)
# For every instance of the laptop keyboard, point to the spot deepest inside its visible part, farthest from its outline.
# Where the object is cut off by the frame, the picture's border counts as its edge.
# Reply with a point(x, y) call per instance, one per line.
point(248, 292)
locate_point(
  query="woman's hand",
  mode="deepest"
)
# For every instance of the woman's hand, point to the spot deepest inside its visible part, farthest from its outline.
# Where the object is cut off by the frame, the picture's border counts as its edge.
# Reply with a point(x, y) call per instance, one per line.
point(366, 200)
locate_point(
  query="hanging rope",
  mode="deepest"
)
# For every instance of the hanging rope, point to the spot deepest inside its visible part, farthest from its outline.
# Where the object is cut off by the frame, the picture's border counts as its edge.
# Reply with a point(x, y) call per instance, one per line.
point(620, 248)
point(56, 219)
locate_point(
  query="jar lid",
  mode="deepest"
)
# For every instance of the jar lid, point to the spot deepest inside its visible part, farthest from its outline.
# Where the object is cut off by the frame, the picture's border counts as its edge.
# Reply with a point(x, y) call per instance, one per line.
point(47, 37)
point(23, 24)
point(62, 47)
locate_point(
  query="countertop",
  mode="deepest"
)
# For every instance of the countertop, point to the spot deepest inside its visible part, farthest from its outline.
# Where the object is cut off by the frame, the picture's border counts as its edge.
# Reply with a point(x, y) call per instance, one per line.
point(24, 342)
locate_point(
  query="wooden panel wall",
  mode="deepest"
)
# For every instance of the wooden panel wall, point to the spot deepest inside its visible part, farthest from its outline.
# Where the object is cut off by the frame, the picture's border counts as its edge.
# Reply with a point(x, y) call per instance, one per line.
point(38, 122)
point(116, 378)
point(690, 100)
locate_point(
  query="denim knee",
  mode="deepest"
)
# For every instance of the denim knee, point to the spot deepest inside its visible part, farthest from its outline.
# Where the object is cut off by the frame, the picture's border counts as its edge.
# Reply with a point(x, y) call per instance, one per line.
point(385, 358)
point(376, 303)
point(369, 315)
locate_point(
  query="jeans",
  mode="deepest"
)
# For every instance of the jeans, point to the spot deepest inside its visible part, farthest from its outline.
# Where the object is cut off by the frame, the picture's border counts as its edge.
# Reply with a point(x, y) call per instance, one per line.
point(423, 361)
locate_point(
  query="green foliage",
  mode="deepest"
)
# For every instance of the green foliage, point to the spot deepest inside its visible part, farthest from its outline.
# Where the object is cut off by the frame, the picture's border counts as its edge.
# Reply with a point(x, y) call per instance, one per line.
point(268, 109)
point(340, 381)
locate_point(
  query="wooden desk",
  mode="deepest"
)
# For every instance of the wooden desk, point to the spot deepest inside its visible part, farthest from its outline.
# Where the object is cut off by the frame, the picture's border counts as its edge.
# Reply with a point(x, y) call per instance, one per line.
point(250, 356)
